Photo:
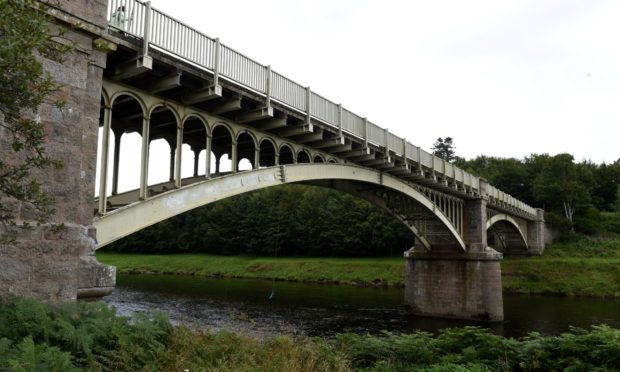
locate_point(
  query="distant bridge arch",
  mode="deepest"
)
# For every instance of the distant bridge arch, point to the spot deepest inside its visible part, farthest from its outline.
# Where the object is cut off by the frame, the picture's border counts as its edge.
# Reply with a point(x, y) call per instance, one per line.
point(506, 235)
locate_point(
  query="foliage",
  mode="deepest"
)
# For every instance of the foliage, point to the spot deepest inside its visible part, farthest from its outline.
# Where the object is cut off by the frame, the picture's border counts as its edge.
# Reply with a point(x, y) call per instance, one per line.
point(472, 348)
point(26, 39)
point(89, 336)
point(288, 220)
point(564, 186)
point(577, 265)
point(444, 148)
point(78, 336)
point(572, 194)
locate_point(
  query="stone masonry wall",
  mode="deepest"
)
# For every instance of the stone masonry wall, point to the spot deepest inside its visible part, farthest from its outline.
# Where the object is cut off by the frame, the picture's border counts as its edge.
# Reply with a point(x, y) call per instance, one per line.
point(455, 288)
point(45, 262)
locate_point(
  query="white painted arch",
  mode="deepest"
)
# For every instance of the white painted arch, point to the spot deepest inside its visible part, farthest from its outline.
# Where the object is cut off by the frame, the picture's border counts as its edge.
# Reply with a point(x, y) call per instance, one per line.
point(136, 216)
point(504, 217)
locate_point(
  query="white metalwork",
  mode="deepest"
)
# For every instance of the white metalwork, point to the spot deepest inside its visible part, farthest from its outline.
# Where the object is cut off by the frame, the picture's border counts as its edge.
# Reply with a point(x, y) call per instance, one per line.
point(158, 30)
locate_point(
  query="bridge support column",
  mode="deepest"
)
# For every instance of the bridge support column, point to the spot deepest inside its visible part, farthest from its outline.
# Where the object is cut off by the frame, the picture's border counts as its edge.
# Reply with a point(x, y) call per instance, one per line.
point(196, 159)
point(208, 157)
point(234, 165)
point(117, 155)
point(462, 286)
point(144, 157)
point(536, 234)
point(173, 153)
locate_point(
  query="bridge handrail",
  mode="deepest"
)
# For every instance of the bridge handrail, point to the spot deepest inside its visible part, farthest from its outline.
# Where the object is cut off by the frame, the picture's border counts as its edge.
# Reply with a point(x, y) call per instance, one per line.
point(138, 18)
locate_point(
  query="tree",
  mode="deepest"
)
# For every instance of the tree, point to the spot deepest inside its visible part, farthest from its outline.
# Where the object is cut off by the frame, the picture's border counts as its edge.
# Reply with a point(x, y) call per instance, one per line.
point(564, 186)
point(26, 40)
point(444, 148)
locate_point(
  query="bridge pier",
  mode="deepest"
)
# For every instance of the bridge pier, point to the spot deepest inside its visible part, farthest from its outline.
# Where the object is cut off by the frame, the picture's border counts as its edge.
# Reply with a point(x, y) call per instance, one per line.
point(444, 282)
point(461, 286)
point(536, 233)
point(55, 261)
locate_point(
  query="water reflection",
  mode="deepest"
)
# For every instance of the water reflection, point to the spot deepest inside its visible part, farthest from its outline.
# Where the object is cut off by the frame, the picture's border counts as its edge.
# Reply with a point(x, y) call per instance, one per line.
point(261, 308)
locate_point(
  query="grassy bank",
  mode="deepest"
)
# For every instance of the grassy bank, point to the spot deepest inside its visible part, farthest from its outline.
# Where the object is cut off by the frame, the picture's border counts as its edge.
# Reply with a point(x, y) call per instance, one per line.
point(361, 271)
point(89, 336)
point(581, 266)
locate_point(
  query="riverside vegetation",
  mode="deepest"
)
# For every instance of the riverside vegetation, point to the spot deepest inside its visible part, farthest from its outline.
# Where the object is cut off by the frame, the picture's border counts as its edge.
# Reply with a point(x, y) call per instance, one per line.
point(581, 265)
point(80, 336)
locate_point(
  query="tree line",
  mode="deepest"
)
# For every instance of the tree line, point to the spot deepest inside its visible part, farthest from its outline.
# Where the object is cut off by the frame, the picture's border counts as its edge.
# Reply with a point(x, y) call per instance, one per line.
point(574, 195)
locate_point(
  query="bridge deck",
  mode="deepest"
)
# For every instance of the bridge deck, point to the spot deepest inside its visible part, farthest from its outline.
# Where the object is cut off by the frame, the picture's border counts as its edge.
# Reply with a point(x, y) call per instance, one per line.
point(162, 56)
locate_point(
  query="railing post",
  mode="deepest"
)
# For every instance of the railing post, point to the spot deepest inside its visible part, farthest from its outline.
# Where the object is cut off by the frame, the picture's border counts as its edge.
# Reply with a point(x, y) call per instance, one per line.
point(268, 87)
point(365, 133)
point(216, 63)
point(340, 120)
point(146, 60)
point(308, 108)
point(385, 142)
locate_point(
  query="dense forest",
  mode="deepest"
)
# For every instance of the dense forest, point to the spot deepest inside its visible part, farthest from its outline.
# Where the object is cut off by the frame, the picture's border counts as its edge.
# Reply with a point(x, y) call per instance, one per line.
point(312, 221)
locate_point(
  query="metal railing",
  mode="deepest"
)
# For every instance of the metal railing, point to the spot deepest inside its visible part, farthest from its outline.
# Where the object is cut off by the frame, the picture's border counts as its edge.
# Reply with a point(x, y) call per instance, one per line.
point(170, 35)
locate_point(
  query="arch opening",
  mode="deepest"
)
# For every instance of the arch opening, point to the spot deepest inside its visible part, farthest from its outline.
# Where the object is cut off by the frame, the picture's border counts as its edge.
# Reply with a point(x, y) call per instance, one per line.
point(246, 152)
point(222, 144)
point(195, 137)
point(303, 157)
point(286, 155)
point(505, 236)
point(267, 153)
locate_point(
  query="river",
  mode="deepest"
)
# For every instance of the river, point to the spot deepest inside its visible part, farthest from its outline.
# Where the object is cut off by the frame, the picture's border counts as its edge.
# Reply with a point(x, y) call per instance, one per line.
point(263, 308)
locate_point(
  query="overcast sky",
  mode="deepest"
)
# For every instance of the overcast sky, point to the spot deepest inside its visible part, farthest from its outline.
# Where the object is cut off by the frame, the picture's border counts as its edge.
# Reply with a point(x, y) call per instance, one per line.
point(503, 78)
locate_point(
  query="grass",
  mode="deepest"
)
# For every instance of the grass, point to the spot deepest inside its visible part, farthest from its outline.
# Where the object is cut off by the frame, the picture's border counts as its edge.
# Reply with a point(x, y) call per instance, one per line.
point(581, 266)
point(357, 271)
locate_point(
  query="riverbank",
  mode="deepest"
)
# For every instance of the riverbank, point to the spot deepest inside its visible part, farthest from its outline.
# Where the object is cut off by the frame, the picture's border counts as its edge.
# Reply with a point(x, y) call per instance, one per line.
point(579, 267)
point(90, 336)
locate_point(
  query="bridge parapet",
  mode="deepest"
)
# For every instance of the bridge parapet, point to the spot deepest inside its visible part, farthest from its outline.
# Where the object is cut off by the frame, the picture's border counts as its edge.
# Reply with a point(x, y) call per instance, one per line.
point(159, 32)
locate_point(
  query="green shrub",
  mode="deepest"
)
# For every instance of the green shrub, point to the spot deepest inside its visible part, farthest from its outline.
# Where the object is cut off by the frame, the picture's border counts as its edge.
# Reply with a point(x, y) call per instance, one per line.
point(79, 335)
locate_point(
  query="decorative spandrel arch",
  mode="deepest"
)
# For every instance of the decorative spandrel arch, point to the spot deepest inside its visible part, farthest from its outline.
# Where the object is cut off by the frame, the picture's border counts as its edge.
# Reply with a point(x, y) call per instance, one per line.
point(223, 142)
point(196, 135)
point(268, 156)
point(318, 158)
point(247, 148)
point(303, 157)
point(287, 154)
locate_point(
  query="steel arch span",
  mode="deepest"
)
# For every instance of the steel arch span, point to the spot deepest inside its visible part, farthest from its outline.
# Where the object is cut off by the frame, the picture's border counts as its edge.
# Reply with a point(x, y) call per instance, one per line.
point(434, 230)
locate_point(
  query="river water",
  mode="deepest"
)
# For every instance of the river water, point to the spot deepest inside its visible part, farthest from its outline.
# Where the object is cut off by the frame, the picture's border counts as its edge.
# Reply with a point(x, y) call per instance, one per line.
point(263, 308)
